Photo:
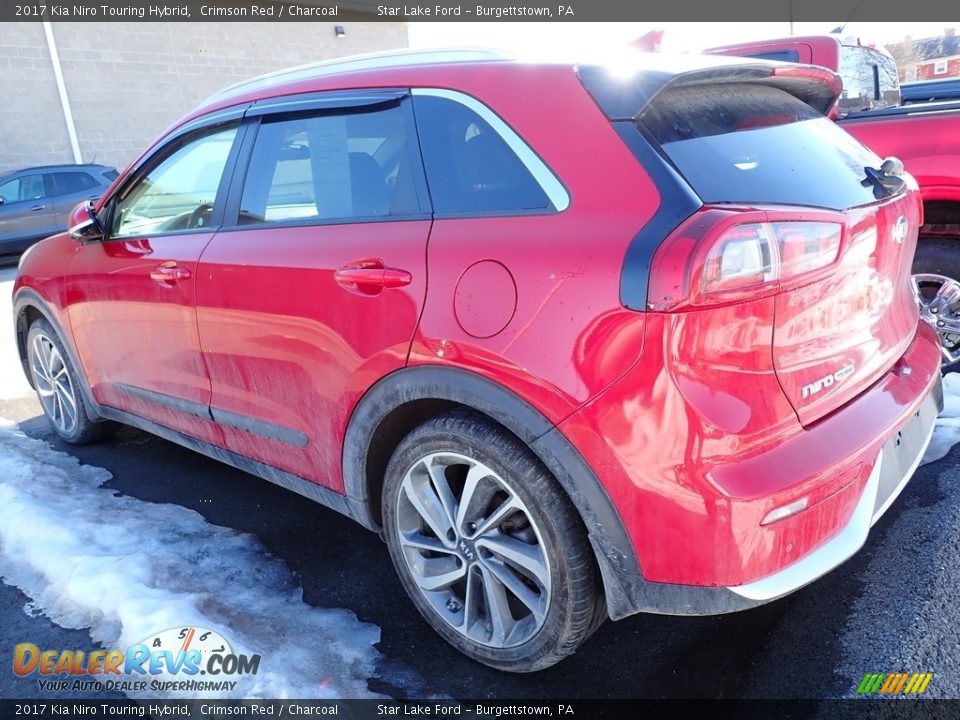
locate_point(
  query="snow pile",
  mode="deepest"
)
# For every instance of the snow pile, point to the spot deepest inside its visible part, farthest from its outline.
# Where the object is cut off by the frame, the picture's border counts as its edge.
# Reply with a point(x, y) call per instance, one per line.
point(128, 570)
point(947, 432)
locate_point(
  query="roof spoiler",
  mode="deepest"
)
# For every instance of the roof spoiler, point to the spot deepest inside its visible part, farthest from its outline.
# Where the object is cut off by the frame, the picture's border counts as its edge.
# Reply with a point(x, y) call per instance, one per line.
point(623, 97)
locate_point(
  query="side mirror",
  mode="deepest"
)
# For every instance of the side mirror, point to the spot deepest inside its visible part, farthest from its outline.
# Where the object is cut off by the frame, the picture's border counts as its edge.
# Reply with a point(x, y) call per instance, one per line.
point(84, 225)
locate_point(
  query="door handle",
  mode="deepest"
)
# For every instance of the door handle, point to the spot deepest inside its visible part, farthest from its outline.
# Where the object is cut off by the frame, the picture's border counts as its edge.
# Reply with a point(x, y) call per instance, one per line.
point(370, 277)
point(168, 273)
point(37, 208)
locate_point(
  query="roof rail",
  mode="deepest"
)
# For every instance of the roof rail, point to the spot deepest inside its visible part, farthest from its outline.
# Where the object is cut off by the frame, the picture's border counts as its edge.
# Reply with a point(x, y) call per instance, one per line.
point(372, 61)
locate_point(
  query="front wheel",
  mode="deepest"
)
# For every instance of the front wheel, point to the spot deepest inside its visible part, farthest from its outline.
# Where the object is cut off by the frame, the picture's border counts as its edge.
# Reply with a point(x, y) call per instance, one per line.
point(58, 386)
point(488, 547)
point(936, 285)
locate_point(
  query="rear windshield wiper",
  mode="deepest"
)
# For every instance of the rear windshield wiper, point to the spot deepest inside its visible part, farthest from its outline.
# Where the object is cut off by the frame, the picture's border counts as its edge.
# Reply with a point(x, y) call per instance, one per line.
point(886, 179)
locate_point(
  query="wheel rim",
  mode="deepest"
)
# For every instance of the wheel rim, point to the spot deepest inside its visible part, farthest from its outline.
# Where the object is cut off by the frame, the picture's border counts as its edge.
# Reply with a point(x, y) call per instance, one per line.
point(472, 548)
point(938, 297)
point(53, 383)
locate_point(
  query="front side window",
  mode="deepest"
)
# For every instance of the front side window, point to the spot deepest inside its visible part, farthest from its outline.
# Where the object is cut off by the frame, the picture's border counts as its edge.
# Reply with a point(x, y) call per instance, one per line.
point(178, 193)
point(470, 168)
point(21, 189)
point(330, 167)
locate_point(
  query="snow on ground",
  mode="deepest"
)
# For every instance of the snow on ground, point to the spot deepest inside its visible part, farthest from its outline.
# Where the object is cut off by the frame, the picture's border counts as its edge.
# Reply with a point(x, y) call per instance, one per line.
point(128, 570)
point(947, 432)
point(13, 383)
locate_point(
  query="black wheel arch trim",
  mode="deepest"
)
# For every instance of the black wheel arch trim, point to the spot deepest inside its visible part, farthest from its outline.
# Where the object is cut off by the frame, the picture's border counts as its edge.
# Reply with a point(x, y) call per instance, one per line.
point(30, 298)
point(626, 590)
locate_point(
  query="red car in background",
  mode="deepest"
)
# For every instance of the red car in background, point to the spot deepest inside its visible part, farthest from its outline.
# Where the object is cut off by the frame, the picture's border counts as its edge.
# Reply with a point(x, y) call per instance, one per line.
point(579, 341)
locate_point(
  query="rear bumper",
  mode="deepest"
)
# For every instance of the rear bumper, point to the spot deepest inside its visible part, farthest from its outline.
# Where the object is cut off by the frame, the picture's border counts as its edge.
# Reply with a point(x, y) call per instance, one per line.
point(894, 466)
point(699, 522)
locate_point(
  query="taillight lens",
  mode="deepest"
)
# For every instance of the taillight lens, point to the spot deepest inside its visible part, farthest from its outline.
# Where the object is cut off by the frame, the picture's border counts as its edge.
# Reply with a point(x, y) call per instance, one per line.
point(721, 256)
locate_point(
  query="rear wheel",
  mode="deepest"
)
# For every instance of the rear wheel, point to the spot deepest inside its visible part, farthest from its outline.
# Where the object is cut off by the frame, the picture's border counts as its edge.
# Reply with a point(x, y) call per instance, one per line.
point(936, 283)
point(490, 550)
point(58, 386)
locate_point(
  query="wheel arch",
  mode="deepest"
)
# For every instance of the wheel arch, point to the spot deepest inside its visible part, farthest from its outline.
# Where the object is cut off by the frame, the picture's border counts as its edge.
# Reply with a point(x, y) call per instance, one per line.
point(406, 398)
point(28, 307)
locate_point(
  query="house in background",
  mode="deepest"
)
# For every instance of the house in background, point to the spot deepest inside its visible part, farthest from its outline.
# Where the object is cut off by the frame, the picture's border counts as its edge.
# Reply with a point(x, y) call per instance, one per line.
point(932, 58)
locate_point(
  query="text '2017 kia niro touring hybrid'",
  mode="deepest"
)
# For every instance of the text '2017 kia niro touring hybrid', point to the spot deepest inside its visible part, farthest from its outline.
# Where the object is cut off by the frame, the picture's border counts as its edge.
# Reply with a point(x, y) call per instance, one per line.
point(579, 341)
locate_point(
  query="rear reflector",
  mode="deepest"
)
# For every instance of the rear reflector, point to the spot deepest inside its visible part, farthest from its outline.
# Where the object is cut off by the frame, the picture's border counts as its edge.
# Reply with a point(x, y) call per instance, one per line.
point(784, 512)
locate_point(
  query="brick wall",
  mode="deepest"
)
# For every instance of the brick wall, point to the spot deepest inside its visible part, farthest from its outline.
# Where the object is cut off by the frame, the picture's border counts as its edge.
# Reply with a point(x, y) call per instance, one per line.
point(127, 82)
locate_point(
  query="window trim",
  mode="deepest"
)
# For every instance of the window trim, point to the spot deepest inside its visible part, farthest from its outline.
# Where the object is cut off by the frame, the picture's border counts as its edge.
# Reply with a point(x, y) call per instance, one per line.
point(545, 177)
point(160, 152)
point(339, 104)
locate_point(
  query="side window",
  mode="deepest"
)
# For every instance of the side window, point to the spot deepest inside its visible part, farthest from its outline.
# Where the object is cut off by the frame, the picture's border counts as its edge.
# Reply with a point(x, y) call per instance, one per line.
point(342, 166)
point(68, 183)
point(28, 187)
point(470, 167)
point(178, 193)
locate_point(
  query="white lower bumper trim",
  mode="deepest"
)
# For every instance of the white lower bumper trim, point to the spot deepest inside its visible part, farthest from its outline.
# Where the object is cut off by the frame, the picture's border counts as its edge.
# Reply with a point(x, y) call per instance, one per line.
point(839, 548)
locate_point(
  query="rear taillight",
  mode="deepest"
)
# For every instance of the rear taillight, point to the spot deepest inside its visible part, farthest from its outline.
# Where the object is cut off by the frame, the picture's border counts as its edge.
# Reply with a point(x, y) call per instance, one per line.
point(722, 255)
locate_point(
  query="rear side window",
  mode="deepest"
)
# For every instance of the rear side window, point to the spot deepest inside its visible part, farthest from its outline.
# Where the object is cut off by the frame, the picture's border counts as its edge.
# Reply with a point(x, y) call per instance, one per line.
point(68, 183)
point(328, 167)
point(758, 144)
point(111, 174)
point(470, 168)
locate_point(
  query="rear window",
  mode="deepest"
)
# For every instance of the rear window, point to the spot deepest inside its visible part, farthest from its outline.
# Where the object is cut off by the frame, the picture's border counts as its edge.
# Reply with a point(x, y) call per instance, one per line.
point(743, 143)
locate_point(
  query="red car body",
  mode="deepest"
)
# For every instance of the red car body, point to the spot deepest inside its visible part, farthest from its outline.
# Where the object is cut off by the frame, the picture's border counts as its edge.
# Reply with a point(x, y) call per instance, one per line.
point(676, 426)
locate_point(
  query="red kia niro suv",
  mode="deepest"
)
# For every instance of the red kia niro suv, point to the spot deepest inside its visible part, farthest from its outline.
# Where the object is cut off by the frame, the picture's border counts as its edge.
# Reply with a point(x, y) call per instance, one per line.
point(580, 341)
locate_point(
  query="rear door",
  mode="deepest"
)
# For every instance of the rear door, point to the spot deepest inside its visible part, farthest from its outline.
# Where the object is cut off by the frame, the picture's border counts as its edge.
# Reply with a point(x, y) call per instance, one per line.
point(755, 146)
point(313, 291)
point(25, 214)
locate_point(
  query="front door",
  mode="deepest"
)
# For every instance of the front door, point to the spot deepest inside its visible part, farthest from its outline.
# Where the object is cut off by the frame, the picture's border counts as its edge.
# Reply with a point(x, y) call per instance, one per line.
point(316, 292)
point(131, 297)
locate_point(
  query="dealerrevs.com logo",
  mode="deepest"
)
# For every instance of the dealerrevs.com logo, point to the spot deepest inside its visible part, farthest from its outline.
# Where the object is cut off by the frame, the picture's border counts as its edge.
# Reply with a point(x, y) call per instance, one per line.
point(171, 661)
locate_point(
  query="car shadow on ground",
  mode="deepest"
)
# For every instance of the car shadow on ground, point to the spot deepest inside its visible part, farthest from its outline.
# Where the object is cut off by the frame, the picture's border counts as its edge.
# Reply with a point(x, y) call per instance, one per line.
point(343, 565)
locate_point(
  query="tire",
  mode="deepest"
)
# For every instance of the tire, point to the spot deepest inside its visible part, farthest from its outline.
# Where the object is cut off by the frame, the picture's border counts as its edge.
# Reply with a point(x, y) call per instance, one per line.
point(938, 260)
point(516, 510)
point(62, 401)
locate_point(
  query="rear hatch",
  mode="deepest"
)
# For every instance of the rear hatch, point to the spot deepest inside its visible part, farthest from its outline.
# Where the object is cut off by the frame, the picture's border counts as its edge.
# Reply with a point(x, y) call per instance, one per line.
point(844, 309)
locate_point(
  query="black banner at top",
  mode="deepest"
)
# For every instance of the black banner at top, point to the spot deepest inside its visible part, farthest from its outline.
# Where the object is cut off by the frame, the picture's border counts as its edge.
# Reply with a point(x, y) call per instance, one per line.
point(475, 10)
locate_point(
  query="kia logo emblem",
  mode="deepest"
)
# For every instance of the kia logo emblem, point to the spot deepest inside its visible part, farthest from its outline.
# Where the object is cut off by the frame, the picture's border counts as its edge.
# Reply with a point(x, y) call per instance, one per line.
point(900, 231)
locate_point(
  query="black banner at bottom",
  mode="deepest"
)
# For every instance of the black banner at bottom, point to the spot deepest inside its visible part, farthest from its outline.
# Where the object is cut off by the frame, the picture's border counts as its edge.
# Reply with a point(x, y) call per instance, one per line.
point(853, 709)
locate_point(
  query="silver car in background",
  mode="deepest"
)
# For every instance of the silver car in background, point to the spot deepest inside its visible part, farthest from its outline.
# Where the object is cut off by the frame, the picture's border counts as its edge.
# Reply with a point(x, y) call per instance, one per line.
point(35, 202)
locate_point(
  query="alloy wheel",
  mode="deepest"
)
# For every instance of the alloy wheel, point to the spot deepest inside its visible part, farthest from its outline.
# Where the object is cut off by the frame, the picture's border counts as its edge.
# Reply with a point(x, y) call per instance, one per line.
point(938, 297)
point(53, 383)
point(473, 549)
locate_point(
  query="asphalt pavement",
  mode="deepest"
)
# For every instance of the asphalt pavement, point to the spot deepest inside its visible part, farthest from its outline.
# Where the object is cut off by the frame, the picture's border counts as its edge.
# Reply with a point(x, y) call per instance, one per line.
point(892, 607)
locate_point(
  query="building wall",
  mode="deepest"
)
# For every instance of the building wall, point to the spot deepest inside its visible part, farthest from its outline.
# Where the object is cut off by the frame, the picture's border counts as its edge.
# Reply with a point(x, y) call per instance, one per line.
point(925, 69)
point(127, 82)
